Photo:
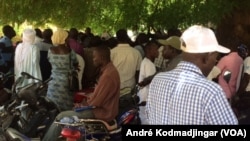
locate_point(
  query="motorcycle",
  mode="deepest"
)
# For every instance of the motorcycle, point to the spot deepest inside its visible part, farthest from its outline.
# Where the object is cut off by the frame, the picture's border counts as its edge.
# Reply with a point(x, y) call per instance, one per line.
point(75, 129)
point(5, 93)
point(28, 113)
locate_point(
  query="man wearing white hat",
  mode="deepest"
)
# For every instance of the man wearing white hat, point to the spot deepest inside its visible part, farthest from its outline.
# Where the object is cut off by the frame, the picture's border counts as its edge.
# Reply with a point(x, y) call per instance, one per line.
point(184, 95)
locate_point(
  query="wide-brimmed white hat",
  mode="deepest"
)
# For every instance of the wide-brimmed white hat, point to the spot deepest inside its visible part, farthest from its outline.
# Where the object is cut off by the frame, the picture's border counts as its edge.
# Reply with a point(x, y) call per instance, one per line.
point(199, 39)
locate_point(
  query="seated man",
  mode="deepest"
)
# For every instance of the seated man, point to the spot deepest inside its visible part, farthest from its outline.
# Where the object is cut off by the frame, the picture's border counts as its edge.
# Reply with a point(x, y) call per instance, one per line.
point(105, 96)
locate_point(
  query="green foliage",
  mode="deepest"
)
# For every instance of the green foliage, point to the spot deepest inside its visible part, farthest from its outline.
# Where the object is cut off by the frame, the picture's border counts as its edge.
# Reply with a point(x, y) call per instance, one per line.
point(112, 15)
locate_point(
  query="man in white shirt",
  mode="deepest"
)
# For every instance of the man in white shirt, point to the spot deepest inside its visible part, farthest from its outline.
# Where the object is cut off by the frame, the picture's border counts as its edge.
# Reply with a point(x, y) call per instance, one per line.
point(126, 59)
point(147, 69)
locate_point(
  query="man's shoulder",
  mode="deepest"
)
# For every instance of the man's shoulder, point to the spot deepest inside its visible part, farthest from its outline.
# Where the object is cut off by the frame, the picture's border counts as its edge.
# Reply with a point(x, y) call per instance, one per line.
point(111, 70)
point(111, 67)
point(125, 48)
point(2, 39)
point(163, 75)
point(146, 61)
point(7, 42)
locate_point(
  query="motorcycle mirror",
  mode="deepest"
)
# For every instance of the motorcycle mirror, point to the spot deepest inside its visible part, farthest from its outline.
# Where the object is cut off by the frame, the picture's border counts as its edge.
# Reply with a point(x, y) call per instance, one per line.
point(227, 76)
point(9, 74)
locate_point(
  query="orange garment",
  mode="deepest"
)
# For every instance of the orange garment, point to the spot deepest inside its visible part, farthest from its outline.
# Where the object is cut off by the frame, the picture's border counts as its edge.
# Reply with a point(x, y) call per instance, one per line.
point(106, 94)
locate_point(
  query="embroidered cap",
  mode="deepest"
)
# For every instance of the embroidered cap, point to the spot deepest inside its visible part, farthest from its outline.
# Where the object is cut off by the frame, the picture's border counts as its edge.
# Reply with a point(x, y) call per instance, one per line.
point(199, 39)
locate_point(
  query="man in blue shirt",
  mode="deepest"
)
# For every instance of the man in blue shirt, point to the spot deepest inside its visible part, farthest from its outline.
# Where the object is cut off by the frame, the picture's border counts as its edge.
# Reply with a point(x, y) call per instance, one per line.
point(7, 50)
point(184, 95)
point(7, 53)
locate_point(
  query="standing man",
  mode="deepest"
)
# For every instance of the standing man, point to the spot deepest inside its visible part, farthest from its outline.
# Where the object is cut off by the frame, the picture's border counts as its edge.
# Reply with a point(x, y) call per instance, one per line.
point(147, 69)
point(184, 96)
point(126, 59)
point(7, 53)
point(27, 58)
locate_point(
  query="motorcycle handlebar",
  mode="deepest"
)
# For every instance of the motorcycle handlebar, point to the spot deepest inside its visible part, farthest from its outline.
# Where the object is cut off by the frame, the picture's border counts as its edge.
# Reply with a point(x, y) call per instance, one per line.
point(46, 81)
point(5, 76)
point(28, 76)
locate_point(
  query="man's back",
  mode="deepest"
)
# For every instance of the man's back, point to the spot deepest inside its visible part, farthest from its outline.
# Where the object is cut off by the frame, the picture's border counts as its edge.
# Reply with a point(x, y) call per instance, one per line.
point(106, 94)
point(127, 60)
point(231, 62)
point(184, 96)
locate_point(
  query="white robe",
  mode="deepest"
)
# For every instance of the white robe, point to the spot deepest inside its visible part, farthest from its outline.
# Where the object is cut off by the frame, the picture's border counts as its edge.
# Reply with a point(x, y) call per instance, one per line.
point(27, 57)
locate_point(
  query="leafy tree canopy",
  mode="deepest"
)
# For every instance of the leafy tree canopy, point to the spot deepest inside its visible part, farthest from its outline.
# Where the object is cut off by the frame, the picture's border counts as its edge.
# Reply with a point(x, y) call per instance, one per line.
point(111, 15)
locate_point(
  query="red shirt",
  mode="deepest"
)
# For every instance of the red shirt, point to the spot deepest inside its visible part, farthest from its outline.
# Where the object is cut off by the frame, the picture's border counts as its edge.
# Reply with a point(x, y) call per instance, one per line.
point(231, 62)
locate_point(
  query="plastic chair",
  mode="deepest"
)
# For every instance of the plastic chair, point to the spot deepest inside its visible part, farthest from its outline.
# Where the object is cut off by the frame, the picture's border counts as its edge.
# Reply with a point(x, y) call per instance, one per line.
point(81, 67)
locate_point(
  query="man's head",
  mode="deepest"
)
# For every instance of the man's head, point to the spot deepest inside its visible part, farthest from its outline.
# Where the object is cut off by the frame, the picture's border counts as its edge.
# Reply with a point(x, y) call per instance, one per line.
point(39, 32)
point(101, 55)
point(122, 36)
point(88, 30)
point(151, 50)
point(242, 51)
point(73, 33)
point(47, 34)
point(142, 38)
point(172, 47)
point(200, 46)
point(8, 31)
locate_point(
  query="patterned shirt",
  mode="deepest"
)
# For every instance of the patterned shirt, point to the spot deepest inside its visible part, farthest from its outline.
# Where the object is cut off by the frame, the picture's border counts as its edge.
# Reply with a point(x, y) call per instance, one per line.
point(160, 62)
point(184, 96)
point(6, 56)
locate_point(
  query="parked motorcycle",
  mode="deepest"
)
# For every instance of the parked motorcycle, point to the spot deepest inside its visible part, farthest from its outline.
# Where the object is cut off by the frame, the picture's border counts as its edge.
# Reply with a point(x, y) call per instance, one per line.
point(75, 129)
point(28, 113)
point(5, 93)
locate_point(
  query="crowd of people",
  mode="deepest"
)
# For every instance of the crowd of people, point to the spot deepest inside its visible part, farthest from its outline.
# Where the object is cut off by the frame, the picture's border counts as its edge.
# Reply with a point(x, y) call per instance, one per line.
point(175, 72)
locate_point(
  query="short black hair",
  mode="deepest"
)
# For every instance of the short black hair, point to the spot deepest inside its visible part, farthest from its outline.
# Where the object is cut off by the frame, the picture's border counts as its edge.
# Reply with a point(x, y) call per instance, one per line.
point(122, 35)
point(149, 44)
point(7, 29)
point(47, 33)
point(104, 50)
point(39, 32)
point(73, 33)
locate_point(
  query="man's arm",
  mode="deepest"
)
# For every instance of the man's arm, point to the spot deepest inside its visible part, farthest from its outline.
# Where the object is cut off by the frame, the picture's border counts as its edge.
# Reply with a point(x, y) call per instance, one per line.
point(137, 73)
point(243, 84)
point(103, 91)
point(147, 80)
